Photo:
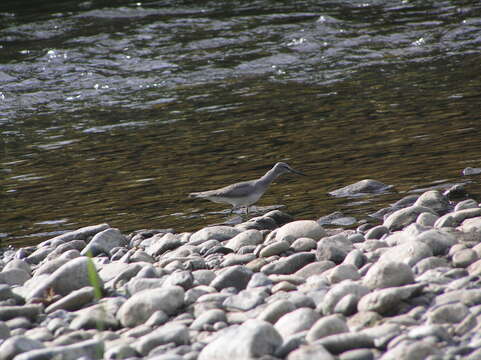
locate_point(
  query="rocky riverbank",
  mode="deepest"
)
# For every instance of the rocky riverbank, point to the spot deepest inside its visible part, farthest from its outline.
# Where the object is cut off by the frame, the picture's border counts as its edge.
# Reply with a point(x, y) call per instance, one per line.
point(271, 287)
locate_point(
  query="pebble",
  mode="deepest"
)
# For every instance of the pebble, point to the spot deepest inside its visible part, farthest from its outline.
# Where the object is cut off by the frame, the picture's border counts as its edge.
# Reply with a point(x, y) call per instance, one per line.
point(253, 339)
point(269, 288)
point(275, 310)
point(298, 320)
point(289, 264)
point(334, 248)
point(90, 349)
point(325, 326)
point(16, 345)
point(403, 217)
point(366, 186)
point(299, 229)
point(139, 307)
point(234, 276)
point(248, 237)
point(168, 333)
point(276, 248)
point(104, 241)
point(71, 276)
point(388, 274)
point(220, 233)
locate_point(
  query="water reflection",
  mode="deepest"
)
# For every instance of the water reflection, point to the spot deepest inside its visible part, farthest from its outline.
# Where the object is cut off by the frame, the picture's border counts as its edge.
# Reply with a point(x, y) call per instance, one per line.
point(115, 112)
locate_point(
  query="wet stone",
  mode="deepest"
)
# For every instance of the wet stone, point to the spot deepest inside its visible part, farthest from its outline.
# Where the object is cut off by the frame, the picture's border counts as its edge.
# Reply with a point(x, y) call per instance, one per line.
point(366, 186)
point(434, 200)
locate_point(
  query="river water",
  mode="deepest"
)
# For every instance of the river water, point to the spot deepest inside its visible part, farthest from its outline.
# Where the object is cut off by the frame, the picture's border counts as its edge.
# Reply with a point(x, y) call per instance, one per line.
point(113, 111)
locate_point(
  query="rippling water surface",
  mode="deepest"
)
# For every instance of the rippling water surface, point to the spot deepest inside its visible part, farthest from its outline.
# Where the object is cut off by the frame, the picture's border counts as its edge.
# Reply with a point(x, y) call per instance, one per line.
point(113, 111)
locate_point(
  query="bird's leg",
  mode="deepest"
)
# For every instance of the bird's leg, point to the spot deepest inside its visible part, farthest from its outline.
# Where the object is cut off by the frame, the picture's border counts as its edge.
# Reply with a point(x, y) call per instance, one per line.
point(247, 210)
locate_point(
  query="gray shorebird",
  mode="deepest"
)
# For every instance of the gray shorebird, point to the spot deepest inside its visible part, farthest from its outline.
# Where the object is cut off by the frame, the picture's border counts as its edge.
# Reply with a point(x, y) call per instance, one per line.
point(245, 193)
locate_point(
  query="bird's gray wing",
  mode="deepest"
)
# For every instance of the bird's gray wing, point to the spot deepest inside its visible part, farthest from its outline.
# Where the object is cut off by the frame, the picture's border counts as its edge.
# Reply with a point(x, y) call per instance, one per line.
point(237, 190)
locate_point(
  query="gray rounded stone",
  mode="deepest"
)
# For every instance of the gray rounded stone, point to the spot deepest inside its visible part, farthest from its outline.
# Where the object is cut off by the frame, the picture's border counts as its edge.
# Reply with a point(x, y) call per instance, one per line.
point(69, 277)
point(251, 340)
point(403, 217)
point(388, 274)
point(376, 232)
point(275, 248)
point(299, 229)
point(325, 326)
point(339, 343)
point(248, 237)
point(290, 264)
point(236, 276)
point(434, 200)
point(296, 321)
point(220, 232)
point(310, 351)
point(303, 244)
point(366, 186)
point(466, 204)
point(139, 307)
point(209, 317)
point(18, 264)
point(168, 333)
point(104, 241)
point(17, 345)
point(386, 301)
point(275, 310)
point(409, 252)
point(448, 313)
point(339, 291)
point(427, 219)
point(342, 272)
point(464, 258)
point(334, 248)
point(14, 277)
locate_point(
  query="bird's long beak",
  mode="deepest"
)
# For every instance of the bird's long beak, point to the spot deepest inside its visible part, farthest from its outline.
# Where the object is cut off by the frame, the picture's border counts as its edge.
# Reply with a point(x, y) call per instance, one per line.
point(297, 172)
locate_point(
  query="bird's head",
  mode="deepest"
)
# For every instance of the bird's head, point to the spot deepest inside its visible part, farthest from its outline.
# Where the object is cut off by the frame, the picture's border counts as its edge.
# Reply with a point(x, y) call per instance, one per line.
point(281, 168)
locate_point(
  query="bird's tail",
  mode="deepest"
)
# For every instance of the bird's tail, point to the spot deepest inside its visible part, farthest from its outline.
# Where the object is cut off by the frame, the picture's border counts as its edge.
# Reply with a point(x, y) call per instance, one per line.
point(195, 195)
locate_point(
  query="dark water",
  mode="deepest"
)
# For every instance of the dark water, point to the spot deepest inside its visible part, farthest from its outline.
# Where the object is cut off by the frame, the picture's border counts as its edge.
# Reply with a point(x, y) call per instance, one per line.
point(113, 111)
